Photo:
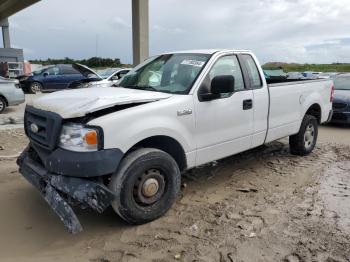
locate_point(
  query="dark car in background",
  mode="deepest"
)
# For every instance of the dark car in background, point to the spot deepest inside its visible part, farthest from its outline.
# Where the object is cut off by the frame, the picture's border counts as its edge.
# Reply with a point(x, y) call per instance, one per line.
point(58, 77)
point(341, 102)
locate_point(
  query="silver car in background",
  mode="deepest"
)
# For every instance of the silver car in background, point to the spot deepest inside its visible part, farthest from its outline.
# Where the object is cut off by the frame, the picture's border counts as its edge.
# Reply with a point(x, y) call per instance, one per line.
point(11, 93)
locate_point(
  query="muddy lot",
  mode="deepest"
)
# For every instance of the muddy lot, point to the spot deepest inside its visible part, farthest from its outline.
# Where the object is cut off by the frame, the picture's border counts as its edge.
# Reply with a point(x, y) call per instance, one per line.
point(263, 205)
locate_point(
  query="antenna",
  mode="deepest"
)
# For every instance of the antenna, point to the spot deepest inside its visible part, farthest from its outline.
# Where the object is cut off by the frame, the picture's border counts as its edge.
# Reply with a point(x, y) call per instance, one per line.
point(96, 53)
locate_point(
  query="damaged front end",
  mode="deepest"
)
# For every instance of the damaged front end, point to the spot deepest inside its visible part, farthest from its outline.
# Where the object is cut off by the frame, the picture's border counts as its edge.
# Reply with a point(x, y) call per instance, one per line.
point(65, 178)
point(63, 192)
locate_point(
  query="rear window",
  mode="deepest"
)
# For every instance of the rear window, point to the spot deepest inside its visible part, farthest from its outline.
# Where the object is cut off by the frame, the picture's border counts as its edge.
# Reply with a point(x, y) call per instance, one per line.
point(253, 72)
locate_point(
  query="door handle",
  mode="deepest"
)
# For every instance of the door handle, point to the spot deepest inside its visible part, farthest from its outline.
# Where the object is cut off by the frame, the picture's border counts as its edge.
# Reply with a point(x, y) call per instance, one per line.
point(247, 104)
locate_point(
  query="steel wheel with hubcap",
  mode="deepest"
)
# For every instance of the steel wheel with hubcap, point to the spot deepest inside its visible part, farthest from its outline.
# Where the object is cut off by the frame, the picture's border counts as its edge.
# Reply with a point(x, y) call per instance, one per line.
point(309, 136)
point(304, 142)
point(35, 87)
point(149, 187)
point(146, 185)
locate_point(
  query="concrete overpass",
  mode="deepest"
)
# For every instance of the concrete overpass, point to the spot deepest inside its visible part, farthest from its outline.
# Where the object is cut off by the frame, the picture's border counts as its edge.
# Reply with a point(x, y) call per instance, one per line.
point(140, 25)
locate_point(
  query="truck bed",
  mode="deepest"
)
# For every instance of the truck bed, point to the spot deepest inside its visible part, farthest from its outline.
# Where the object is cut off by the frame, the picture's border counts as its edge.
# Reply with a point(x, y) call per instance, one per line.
point(278, 82)
point(289, 101)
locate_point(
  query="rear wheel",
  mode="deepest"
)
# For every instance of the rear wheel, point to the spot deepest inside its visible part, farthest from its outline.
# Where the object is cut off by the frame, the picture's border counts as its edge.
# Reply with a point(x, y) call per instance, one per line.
point(146, 184)
point(35, 88)
point(2, 104)
point(304, 142)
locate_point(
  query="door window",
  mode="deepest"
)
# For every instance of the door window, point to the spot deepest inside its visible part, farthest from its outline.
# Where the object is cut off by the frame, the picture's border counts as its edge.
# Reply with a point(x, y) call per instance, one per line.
point(53, 71)
point(69, 71)
point(228, 65)
point(253, 72)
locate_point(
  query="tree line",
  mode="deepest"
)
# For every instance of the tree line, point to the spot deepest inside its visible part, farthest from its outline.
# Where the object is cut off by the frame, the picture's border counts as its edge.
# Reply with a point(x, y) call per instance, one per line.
point(91, 62)
point(293, 67)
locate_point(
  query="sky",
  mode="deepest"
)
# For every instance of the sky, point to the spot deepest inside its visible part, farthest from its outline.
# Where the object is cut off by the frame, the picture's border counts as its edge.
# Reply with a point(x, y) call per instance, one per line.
point(295, 31)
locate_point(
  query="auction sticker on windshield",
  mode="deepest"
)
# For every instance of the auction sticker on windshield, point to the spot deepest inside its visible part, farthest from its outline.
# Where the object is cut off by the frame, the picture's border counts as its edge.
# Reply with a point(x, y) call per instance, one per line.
point(193, 63)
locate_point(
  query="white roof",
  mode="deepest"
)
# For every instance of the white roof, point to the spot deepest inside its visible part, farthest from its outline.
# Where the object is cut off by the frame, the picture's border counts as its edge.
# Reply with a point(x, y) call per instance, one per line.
point(205, 51)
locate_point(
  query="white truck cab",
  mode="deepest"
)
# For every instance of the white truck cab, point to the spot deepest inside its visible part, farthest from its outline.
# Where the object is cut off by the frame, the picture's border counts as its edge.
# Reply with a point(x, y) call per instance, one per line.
point(127, 146)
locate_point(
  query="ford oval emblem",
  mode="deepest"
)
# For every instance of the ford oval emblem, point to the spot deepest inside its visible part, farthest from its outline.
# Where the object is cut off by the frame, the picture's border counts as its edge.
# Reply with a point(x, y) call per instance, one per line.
point(34, 128)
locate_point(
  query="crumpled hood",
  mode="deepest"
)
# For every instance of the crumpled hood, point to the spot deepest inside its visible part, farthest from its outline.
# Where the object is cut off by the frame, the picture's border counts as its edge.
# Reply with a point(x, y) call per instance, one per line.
point(79, 102)
point(86, 71)
point(343, 95)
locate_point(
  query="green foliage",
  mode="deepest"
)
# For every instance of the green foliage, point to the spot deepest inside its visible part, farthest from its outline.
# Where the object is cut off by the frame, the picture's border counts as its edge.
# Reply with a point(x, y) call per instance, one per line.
point(335, 67)
point(95, 62)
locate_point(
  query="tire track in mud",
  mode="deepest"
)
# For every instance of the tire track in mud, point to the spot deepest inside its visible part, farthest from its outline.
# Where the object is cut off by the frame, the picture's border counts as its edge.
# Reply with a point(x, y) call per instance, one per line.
point(263, 205)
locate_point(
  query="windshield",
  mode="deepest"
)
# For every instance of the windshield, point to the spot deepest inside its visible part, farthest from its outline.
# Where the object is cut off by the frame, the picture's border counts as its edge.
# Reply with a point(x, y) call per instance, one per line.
point(107, 72)
point(342, 83)
point(172, 73)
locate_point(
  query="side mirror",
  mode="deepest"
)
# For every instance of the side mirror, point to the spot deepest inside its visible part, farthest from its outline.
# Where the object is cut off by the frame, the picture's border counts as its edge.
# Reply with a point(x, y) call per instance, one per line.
point(45, 74)
point(219, 85)
point(222, 84)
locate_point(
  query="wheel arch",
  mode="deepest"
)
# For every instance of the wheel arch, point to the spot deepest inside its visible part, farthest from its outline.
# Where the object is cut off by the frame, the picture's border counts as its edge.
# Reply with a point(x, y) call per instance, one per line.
point(166, 144)
point(6, 101)
point(36, 81)
point(316, 111)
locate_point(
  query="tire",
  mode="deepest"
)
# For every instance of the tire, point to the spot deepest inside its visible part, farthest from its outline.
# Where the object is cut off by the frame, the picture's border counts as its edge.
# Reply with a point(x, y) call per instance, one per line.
point(304, 142)
point(3, 104)
point(35, 88)
point(138, 199)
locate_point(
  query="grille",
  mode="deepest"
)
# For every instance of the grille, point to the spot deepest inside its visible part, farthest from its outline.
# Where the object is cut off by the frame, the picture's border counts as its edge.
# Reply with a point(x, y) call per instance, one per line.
point(42, 127)
point(339, 105)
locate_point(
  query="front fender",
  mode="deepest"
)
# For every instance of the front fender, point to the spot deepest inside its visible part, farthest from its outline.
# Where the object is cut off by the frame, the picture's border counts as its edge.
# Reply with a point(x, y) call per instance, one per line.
point(124, 129)
point(135, 132)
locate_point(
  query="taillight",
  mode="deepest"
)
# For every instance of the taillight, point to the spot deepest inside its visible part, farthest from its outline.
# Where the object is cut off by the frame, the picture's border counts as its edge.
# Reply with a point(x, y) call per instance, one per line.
point(332, 94)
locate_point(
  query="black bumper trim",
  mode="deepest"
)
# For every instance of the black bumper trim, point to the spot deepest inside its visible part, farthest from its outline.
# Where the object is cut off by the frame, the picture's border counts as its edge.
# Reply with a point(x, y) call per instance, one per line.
point(82, 164)
point(59, 190)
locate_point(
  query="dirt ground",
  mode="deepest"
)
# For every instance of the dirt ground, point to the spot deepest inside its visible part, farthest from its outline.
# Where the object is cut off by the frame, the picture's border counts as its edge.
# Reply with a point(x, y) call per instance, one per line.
point(263, 205)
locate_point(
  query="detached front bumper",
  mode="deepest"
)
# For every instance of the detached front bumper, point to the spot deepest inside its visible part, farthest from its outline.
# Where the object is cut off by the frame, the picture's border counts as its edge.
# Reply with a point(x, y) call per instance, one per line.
point(62, 192)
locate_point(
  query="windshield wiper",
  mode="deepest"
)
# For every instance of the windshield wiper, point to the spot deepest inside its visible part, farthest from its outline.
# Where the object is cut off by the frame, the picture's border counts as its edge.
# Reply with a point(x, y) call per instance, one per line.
point(148, 88)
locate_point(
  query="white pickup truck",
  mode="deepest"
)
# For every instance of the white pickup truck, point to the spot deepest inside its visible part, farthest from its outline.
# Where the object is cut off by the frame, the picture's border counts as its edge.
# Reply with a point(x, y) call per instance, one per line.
point(127, 146)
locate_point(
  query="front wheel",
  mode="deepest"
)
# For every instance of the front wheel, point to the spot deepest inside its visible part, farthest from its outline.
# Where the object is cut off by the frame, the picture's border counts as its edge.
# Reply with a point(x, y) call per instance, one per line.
point(304, 142)
point(146, 185)
point(35, 88)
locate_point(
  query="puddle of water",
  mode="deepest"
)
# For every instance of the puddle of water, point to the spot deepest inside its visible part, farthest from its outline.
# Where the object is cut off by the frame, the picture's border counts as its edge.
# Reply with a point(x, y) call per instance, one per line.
point(335, 193)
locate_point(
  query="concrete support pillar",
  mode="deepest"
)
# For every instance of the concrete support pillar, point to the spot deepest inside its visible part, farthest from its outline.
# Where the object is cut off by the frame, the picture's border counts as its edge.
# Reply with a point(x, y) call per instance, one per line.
point(140, 30)
point(5, 33)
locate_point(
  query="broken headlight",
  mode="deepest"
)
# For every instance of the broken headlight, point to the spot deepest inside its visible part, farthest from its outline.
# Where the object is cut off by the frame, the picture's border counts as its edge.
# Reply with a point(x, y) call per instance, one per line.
point(76, 137)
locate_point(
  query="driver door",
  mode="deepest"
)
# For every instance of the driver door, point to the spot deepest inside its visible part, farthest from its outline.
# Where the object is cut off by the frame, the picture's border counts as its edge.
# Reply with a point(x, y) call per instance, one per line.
point(52, 78)
point(224, 126)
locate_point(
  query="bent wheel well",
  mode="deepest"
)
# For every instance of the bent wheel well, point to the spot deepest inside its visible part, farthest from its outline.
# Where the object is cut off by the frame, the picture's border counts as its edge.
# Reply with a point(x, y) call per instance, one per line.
point(166, 144)
point(315, 110)
point(4, 98)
